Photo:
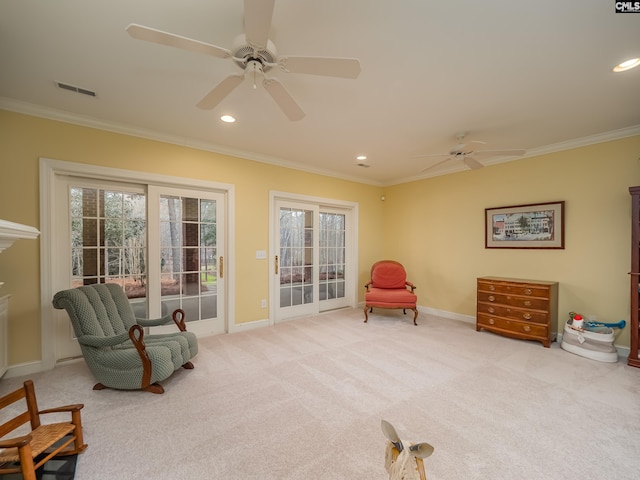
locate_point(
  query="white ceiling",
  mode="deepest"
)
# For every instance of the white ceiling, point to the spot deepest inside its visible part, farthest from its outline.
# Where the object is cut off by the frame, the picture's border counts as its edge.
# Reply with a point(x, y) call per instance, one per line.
point(533, 75)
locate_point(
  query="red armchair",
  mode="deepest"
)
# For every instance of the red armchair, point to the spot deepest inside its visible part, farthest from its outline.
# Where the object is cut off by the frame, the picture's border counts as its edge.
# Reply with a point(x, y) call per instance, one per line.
point(389, 288)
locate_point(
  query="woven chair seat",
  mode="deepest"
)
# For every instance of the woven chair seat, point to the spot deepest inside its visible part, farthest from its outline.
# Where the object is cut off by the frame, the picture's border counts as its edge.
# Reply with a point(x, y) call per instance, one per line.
point(25, 453)
point(41, 439)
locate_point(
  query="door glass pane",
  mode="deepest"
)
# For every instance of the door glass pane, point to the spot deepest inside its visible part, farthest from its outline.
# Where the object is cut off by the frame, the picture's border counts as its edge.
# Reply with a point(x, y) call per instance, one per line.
point(108, 240)
point(332, 255)
point(296, 257)
point(188, 258)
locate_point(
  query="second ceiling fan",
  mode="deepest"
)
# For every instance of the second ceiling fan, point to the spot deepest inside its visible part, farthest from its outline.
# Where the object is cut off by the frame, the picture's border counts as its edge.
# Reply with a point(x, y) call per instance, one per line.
point(467, 154)
point(255, 54)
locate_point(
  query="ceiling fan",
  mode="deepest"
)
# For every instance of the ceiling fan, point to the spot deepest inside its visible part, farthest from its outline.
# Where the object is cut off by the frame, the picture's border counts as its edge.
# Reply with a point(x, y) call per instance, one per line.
point(467, 154)
point(255, 54)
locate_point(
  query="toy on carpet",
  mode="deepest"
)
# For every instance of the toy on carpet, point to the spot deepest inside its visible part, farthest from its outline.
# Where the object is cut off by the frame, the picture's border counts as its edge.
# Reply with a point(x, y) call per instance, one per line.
point(592, 340)
point(404, 463)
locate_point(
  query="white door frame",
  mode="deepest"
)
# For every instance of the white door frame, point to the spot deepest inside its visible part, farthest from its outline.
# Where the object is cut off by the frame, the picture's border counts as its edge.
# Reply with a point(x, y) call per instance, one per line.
point(50, 168)
point(351, 209)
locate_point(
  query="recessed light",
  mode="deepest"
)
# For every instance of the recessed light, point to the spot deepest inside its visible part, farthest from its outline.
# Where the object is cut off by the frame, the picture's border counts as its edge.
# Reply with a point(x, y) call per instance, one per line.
point(361, 161)
point(627, 65)
point(228, 118)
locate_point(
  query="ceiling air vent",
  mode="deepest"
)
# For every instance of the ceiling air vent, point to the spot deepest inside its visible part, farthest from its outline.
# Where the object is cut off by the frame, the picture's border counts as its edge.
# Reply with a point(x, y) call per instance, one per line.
point(72, 88)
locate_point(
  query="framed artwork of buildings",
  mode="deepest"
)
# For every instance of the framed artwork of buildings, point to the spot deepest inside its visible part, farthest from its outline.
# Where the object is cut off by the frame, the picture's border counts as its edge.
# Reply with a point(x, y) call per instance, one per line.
point(539, 225)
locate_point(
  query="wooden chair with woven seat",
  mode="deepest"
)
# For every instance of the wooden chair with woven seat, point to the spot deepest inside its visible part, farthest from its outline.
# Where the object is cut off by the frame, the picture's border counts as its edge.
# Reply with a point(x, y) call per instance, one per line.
point(26, 453)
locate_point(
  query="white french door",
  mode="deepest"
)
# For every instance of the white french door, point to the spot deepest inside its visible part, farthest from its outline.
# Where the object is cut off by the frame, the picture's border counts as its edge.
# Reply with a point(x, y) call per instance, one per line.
point(186, 261)
point(99, 235)
point(313, 269)
point(296, 261)
point(164, 246)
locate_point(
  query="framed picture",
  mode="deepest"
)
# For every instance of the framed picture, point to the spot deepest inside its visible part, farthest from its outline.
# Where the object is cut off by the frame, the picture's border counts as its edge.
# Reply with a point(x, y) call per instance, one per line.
point(539, 225)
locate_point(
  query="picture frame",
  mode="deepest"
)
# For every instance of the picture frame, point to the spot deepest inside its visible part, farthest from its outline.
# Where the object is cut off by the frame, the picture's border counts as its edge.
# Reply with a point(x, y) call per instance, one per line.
point(537, 225)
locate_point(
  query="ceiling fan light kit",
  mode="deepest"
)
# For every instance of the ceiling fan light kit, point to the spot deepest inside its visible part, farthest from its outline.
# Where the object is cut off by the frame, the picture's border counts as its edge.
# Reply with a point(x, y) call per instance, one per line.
point(255, 54)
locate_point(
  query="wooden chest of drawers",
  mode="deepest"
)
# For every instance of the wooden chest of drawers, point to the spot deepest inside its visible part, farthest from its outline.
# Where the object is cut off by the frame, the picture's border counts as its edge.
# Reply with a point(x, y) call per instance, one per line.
point(525, 309)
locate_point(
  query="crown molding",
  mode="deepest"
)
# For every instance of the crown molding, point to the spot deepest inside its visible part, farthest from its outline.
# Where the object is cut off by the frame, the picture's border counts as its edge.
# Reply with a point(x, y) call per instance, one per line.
point(86, 121)
point(536, 152)
point(68, 117)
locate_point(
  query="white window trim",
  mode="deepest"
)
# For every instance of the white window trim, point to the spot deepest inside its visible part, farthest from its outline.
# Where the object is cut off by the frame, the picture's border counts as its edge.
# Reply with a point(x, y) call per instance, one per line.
point(50, 168)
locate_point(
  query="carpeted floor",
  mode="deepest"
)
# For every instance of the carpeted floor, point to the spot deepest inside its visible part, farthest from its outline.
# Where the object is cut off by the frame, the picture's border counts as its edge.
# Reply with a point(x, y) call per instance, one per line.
point(304, 400)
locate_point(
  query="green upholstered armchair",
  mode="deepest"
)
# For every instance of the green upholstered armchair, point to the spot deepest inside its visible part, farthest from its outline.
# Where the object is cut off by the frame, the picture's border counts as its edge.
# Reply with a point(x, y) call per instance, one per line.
point(113, 342)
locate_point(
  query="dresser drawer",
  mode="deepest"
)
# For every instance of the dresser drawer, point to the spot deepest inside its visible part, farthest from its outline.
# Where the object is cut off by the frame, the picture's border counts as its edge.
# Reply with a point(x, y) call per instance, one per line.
point(513, 326)
point(515, 289)
point(517, 308)
point(534, 303)
point(523, 315)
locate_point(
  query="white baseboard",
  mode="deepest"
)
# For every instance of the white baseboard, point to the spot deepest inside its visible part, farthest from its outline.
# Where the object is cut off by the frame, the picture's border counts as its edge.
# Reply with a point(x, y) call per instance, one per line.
point(243, 327)
point(23, 369)
point(441, 313)
point(450, 315)
point(623, 352)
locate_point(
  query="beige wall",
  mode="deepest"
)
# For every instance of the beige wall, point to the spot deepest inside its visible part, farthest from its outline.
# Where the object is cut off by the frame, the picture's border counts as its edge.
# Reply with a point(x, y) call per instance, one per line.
point(24, 139)
point(434, 226)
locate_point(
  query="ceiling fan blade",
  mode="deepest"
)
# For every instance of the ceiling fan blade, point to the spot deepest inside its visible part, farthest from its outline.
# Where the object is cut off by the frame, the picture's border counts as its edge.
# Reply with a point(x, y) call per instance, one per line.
point(471, 162)
point(220, 91)
point(284, 100)
point(432, 155)
point(496, 153)
point(257, 21)
point(171, 40)
point(331, 67)
point(435, 164)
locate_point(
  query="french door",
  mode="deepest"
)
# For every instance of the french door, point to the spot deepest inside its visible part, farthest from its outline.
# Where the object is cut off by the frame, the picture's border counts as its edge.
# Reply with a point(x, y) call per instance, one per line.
point(313, 265)
point(186, 268)
point(164, 246)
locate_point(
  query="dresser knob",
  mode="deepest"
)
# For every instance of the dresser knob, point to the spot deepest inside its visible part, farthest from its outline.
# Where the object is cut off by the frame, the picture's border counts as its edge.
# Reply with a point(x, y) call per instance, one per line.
point(492, 287)
point(527, 328)
point(491, 310)
point(527, 303)
point(528, 291)
point(527, 316)
point(491, 298)
point(491, 321)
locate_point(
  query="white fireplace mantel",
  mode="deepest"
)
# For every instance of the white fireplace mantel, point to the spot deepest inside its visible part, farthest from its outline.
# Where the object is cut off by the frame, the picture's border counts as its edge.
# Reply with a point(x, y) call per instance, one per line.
point(10, 232)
